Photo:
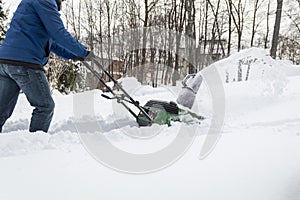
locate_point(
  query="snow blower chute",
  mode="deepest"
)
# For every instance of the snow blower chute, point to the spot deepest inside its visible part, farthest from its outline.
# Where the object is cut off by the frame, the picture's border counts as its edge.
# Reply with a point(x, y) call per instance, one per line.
point(154, 111)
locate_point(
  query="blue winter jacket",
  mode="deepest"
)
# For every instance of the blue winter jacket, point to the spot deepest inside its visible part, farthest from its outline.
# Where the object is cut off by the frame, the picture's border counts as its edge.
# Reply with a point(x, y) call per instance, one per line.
point(35, 30)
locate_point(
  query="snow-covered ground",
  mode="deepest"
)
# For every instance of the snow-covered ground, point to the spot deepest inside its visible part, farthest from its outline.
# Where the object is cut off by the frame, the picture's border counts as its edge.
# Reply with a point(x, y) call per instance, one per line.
point(256, 157)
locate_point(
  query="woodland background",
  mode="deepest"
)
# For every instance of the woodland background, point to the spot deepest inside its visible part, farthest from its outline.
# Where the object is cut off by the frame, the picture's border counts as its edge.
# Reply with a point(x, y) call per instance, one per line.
point(205, 31)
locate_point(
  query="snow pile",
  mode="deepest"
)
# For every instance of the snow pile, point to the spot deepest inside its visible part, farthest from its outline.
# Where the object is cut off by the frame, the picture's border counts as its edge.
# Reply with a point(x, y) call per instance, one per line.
point(257, 156)
point(256, 64)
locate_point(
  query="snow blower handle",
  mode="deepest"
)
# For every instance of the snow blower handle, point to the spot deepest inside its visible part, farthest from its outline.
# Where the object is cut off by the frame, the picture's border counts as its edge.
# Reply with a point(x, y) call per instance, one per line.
point(105, 96)
point(124, 96)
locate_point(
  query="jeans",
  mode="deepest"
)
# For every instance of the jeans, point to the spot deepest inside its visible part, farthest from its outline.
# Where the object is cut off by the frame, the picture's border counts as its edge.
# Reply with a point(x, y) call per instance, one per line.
point(35, 86)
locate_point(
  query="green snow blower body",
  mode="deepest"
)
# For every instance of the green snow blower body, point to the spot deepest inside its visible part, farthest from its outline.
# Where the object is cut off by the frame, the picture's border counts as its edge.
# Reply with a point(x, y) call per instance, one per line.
point(163, 113)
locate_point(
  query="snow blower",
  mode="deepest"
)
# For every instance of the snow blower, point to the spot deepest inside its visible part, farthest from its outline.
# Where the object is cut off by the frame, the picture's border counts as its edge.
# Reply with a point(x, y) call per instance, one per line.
point(154, 111)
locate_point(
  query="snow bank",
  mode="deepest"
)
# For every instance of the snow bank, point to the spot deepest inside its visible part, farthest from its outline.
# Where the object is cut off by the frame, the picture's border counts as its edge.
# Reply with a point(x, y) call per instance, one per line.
point(255, 64)
point(257, 156)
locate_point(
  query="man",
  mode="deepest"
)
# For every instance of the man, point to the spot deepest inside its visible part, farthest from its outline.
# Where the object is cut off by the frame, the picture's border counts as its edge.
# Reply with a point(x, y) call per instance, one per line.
point(36, 30)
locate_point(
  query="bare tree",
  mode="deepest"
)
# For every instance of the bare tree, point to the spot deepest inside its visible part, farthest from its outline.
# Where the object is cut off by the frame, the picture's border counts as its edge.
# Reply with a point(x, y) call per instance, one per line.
point(148, 6)
point(99, 30)
point(257, 4)
point(205, 27)
point(276, 29)
point(229, 9)
point(294, 21)
point(72, 13)
point(102, 21)
point(90, 23)
point(190, 32)
point(216, 25)
point(133, 16)
point(238, 15)
point(268, 26)
point(109, 45)
point(176, 21)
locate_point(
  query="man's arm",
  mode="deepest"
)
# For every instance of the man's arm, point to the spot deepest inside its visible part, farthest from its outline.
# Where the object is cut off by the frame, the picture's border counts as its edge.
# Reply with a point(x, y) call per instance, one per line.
point(50, 17)
point(61, 52)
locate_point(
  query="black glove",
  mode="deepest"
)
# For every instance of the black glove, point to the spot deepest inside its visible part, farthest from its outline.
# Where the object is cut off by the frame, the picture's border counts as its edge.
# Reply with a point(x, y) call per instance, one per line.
point(89, 57)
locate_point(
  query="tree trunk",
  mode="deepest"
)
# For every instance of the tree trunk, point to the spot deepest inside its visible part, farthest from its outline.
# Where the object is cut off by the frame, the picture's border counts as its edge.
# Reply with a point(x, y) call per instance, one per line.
point(268, 27)
point(276, 29)
point(256, 2)
point(215, 12)
point(144, 37)
point(229, 27)
point(238, 19)
point(190, 31)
